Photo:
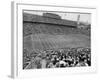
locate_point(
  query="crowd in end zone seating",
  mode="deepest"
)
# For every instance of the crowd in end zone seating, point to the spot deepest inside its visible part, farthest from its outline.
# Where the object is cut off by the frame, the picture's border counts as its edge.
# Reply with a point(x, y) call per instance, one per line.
point(60, 58)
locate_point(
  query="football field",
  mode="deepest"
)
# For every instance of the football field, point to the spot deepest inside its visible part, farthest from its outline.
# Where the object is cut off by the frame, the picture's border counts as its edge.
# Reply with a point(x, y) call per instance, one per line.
point(47, 41)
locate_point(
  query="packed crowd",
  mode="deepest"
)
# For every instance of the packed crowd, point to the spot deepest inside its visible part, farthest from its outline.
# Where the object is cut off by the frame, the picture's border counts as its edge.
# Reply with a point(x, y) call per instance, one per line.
point(70, 57)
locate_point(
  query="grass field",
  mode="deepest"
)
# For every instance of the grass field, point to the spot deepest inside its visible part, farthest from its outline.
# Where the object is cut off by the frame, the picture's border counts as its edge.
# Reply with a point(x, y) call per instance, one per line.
point(47, 41)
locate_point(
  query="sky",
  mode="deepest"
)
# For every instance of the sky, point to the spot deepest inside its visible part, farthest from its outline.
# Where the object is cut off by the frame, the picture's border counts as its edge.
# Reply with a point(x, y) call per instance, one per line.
point(84, 17)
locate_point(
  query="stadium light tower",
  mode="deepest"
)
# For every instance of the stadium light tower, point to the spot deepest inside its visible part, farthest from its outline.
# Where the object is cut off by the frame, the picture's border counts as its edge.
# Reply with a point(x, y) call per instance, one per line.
point(78, 20)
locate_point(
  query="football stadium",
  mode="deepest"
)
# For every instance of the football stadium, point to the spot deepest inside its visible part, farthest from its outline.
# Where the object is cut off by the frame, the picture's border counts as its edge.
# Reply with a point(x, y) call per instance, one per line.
point(52, 42)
